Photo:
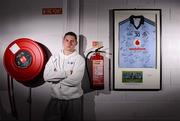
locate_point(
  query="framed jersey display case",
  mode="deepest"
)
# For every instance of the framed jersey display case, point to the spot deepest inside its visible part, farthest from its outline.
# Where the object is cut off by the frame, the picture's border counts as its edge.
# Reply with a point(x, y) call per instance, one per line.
point(137, 49)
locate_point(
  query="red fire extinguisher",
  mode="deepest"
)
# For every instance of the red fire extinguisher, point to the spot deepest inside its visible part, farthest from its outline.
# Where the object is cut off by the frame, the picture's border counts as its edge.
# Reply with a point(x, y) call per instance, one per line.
point(96, 71)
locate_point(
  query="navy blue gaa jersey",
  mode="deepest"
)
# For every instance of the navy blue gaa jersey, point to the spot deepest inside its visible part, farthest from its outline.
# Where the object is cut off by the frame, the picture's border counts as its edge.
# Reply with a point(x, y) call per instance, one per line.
point(137, 43)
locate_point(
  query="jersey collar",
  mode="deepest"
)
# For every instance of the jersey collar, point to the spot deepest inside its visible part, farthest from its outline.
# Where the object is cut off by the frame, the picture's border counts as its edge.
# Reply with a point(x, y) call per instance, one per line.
point(131, 18)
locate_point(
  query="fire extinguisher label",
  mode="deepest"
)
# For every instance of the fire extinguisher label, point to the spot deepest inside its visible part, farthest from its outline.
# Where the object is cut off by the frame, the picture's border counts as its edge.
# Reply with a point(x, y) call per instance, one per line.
point(14, 48)
point(98, 72)
point(98, 67)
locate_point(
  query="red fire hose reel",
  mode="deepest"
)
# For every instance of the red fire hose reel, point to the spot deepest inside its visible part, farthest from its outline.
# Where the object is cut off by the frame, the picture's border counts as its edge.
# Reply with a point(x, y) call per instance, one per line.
point(24, 59)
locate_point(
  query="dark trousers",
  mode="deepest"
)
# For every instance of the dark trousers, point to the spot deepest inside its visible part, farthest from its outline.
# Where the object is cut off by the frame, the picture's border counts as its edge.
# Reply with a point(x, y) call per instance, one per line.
point(64, 110)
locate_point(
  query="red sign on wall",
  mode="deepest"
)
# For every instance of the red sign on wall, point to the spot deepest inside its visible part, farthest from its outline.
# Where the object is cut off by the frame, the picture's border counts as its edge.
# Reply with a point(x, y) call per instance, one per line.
point(51, 11)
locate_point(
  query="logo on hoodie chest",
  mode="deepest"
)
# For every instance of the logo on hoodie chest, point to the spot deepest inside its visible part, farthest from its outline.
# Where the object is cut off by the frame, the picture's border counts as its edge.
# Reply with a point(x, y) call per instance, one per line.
point(69, 65)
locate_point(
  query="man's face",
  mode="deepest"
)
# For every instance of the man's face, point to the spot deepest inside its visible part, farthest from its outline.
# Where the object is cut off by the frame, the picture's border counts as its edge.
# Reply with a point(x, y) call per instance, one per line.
point(69, 43)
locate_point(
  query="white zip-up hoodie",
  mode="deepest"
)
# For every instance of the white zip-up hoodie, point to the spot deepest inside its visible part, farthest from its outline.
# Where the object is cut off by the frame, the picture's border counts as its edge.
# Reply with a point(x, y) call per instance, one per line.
point(65, 72)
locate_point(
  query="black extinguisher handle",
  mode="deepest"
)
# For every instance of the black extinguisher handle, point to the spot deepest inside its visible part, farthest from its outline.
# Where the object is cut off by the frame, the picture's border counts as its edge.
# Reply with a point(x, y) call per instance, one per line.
point(97, 50)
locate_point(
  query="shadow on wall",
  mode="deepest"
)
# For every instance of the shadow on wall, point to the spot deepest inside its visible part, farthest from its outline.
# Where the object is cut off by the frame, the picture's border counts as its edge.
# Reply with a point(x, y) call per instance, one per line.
point(86, 80)
point(89, 97)
point(88, 101)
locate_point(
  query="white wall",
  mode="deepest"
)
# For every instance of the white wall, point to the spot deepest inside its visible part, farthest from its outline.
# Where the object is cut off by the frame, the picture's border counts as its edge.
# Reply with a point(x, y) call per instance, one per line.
point(135, 105)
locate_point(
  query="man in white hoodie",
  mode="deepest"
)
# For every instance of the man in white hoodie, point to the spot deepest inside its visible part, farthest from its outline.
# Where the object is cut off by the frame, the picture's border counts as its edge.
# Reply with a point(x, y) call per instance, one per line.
point(65, 72)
